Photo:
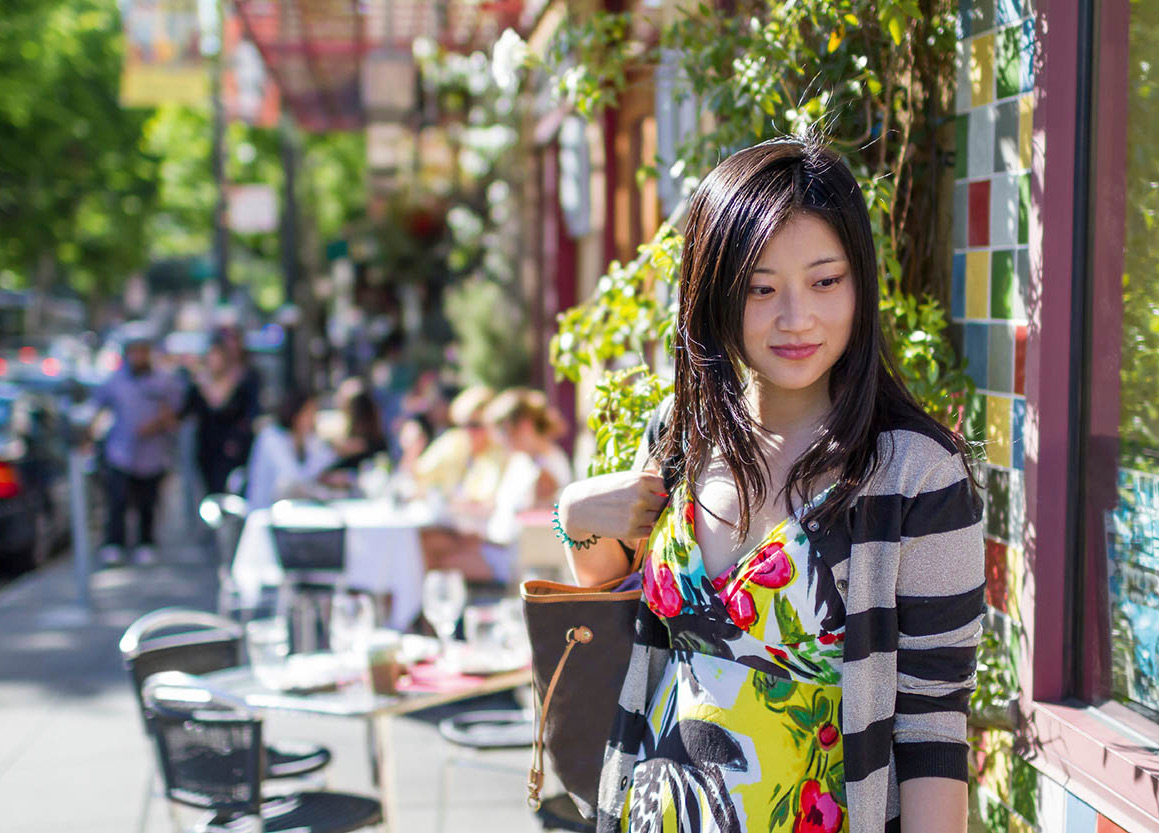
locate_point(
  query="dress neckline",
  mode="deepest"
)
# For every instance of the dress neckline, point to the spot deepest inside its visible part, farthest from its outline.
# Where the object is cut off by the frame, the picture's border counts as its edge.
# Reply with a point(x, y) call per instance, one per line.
point(688, 517)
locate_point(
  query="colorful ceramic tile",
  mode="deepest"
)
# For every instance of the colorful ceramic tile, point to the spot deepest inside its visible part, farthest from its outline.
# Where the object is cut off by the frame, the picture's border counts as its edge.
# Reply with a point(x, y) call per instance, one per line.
point(974, 416)
point(1079, 815)
point(1000, 367)
point(980, 213)
point(1025, 131)
point(998, 506)
point(1024, 208)
point(982, 15)
point(962, 95)
point(1051, 804)
point(1004, 210)
point(976, 348)
point(998, 432)
point(1022, 279)
point(980, 154)
point(1007, 11)
point(958, 288)
point(977, 285)
point(1017, 505)
point(964, 19)
point(1015, 574)
point(1002, 285)
point(1018, 433)
point(961, 206)
point(1007, 62)
point(1006, 136)
point(1020, 360)
point(996, 574)
point(1102, 824)
point(1027, 55)
point(982, 70)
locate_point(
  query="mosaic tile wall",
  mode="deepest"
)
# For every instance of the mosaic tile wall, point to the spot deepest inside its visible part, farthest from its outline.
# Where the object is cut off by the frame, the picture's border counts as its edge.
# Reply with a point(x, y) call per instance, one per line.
point(995, 114)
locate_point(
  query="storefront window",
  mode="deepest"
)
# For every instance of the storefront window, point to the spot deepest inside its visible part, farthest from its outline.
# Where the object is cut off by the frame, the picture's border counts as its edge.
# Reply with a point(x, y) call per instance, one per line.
point(1122, 484)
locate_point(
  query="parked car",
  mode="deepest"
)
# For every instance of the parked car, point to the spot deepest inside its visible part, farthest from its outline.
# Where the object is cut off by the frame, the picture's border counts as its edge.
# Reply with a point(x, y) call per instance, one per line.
point(33, 479)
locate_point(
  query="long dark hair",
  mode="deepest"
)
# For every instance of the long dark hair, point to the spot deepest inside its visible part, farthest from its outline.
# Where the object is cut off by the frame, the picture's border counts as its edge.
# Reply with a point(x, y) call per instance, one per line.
point(734, 213)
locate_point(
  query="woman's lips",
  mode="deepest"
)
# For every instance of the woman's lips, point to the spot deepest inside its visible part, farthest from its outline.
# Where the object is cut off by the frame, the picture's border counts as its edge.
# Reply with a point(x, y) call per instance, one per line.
point(795, 351)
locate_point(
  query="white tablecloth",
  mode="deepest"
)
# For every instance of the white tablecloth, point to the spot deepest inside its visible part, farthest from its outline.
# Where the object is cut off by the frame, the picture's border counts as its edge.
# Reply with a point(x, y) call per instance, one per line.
point(383, 554)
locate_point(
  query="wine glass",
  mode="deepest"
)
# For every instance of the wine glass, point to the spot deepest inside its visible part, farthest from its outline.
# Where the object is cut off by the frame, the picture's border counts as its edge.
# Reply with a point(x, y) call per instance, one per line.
point(351, 622)
point(444, 597)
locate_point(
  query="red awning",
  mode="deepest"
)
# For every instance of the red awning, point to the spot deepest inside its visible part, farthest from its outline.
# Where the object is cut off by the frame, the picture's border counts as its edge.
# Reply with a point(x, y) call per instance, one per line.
point(314, 48)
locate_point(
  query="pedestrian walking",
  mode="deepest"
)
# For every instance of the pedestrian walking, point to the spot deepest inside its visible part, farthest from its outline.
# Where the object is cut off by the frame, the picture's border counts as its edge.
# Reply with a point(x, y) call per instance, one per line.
point(813, 578)
point(223, 399)
point(138, 449)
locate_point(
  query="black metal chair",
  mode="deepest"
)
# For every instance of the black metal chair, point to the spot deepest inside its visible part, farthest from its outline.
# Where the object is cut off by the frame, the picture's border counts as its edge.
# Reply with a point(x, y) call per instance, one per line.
point(210, 751)
point(488, 730)
point(198, 642)
point(310, 542)
point(225, 514)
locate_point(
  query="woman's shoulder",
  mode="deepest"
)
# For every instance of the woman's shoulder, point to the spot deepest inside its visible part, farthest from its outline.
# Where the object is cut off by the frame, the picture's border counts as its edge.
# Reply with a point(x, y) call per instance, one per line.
point(916, 454)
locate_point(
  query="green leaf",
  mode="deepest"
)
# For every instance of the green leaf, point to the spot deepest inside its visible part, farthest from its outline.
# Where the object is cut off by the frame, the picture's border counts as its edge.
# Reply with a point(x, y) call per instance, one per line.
point(896, 28)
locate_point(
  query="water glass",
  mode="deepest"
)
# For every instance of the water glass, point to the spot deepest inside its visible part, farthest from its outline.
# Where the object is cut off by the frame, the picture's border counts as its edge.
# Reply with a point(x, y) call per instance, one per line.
point(444, 597)
point(268, 645)
point(351, 622)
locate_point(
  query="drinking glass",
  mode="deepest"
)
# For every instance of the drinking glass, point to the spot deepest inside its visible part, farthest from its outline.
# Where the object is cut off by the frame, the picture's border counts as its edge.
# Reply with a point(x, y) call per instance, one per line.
point(268, 644)
point(444, 597)
point(351, 622)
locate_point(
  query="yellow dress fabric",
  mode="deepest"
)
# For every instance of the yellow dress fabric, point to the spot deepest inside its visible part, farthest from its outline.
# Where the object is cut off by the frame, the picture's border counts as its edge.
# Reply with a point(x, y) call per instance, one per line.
point(744, 727)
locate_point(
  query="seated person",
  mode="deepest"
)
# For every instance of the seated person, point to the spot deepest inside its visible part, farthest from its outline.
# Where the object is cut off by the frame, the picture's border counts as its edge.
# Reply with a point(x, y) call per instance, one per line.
point(288, 456)
point(463, 465)
point(536, 470)
point(362, 440)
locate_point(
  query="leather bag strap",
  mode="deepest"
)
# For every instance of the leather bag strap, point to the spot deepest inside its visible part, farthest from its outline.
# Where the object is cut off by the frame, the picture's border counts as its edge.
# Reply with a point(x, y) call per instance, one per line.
point(574, 636)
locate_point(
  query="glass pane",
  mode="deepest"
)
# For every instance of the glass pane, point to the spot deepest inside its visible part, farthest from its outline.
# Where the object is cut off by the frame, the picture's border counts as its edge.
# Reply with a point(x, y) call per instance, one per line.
point(1131, 524)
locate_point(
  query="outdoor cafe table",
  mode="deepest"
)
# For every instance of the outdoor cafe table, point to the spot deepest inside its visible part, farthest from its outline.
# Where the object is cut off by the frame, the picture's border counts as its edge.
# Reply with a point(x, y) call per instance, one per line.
point(383, 554)
point(424, 688)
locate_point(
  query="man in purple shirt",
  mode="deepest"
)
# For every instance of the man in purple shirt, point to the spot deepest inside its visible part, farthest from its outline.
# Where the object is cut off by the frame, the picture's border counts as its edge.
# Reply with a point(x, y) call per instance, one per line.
point(139, 446)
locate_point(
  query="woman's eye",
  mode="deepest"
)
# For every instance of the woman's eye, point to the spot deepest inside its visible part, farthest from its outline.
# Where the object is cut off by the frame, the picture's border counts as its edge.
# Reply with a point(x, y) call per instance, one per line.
point(761, 291)
point(829, 282)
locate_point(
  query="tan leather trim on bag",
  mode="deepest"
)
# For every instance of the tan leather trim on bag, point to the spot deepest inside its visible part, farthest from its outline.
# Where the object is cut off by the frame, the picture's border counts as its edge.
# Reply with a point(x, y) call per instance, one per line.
point(576, 635)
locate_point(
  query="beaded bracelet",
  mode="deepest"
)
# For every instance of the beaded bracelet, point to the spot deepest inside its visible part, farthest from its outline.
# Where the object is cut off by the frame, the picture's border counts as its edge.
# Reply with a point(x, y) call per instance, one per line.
point(565, 538)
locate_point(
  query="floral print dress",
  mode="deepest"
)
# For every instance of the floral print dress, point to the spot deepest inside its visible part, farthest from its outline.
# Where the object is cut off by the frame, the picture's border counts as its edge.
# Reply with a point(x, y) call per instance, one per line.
point(743, 732)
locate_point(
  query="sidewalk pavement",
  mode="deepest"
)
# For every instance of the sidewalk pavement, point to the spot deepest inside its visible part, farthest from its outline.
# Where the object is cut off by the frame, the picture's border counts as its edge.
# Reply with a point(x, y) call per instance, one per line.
point(73, 756)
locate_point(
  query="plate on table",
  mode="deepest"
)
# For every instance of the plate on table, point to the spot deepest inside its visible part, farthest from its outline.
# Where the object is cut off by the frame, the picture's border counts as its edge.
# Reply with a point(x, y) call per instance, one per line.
point(488, 660)
point(306, 673)
point(415, 648)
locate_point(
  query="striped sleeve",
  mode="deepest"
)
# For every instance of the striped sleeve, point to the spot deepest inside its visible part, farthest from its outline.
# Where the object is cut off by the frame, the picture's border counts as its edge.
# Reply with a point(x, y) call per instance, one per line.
point(940, 603)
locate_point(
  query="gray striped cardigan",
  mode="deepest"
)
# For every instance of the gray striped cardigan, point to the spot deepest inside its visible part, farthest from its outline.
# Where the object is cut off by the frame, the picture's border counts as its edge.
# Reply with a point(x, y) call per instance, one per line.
point(910, 567)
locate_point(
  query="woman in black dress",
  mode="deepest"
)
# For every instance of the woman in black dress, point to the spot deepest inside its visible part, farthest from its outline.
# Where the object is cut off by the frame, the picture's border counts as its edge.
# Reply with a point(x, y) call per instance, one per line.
point(224, 399)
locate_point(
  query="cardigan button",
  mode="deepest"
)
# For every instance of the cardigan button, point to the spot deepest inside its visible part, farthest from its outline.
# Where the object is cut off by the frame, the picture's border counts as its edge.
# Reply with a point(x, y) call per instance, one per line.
point(842, 585)
point(814, 526)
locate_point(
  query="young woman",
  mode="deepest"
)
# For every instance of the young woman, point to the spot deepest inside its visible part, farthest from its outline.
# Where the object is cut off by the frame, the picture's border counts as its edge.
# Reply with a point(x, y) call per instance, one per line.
point(813, 584)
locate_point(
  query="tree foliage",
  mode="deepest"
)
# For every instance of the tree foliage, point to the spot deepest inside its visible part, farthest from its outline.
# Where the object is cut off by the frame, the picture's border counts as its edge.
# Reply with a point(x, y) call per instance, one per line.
point(76, 182)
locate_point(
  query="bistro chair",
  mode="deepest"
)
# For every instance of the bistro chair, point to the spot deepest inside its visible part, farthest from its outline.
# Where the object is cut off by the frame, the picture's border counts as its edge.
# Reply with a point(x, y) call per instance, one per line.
point(472, 734)
point(310, 542)
point(210, 751)
point(196, 643)
point(225, 514)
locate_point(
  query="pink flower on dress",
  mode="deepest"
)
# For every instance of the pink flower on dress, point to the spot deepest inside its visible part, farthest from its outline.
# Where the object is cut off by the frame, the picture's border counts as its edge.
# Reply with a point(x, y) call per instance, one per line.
point(660, 590)
point(819, 811)
point(720, 581)
point(741, 608)
point(827, 736)
point(772, 567)
point(828, 638)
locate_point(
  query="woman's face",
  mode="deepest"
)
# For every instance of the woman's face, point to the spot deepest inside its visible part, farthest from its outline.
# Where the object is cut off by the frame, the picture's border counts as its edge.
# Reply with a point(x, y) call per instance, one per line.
point(801, 302)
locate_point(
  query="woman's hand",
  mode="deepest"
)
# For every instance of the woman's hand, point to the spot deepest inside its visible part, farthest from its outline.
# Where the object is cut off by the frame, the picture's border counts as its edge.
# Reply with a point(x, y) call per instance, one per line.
point(619, 505)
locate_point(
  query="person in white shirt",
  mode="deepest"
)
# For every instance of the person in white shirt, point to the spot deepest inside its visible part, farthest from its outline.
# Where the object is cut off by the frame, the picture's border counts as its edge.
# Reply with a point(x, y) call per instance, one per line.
point(288, 456)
